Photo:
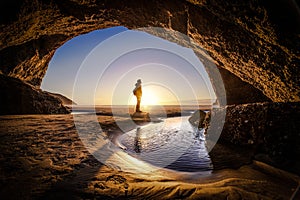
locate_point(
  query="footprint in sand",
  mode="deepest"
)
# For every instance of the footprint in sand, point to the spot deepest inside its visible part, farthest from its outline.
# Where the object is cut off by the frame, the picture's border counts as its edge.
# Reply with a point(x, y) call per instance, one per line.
point(118, 180)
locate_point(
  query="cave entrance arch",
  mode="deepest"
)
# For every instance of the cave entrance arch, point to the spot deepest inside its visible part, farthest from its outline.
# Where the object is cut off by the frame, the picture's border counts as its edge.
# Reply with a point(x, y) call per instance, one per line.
point(65, 65)
point(182, 40)
point(29, 41)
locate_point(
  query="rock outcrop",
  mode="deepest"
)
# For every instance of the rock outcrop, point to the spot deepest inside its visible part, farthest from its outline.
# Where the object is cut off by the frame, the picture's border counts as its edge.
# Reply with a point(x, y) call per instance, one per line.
point(197, 118)
point(65, 100)
point(254, 42)
point(268, 131)
point(18, 97)
point(240, 92)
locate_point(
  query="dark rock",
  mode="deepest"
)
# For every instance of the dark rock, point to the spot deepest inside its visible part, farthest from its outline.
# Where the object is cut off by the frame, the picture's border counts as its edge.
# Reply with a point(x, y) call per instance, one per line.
point(235, 90)
point(103, 113)
point(140, 116)
point(200, 119)
point(225, 155)
point(18, 97)
point(268, 130)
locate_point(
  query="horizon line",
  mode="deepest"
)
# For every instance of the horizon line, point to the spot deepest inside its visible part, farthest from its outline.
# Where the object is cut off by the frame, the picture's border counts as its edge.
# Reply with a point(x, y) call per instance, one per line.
point(141, 105)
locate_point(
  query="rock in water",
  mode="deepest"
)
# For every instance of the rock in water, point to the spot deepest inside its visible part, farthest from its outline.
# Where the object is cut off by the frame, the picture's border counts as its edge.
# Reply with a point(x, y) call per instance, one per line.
point(140, 116)
point(200, 119)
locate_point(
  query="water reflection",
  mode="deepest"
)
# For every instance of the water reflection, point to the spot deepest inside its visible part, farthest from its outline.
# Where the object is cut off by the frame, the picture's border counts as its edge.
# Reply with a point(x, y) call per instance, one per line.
point(173, 144)
point(137, 141)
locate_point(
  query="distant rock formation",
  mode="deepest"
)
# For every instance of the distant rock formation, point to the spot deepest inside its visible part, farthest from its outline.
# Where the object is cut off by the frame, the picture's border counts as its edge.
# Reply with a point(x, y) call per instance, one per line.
point(18, 97)
point(65, 100)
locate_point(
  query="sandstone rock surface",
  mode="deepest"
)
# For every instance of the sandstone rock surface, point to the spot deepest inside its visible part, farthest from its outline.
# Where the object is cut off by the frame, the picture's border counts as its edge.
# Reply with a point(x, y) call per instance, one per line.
point(255, 42)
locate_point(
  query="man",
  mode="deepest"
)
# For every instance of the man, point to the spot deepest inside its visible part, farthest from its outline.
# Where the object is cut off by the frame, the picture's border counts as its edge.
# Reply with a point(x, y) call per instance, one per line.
point(138, 93)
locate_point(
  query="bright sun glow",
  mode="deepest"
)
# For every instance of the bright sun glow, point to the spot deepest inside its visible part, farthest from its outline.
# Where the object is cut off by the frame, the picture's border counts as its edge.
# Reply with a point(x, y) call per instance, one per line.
point(148, 98)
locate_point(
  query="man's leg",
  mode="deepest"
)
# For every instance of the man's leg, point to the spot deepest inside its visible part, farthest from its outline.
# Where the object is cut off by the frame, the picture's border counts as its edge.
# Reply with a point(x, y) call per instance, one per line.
point(137, 109)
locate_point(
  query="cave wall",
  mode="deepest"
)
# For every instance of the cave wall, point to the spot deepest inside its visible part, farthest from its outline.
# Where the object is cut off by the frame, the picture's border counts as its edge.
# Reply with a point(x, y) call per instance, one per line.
point(268, 132)
point(23, 98)
point(248, 41)
point(240, 92)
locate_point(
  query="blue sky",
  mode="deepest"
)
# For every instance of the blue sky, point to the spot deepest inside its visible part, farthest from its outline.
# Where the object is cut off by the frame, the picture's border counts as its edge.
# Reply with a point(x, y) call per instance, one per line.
point(101, 67)
point(67, 59)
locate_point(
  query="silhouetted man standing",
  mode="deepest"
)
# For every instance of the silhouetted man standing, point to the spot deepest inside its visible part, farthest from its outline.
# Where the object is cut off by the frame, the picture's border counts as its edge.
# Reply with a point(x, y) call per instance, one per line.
point(138, 93)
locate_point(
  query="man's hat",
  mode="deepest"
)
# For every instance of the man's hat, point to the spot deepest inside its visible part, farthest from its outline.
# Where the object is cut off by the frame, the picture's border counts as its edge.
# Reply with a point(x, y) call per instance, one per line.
point(139, 81)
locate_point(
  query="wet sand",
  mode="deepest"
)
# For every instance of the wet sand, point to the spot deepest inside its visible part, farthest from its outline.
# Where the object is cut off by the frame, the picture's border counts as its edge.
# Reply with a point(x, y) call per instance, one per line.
point(43, 157)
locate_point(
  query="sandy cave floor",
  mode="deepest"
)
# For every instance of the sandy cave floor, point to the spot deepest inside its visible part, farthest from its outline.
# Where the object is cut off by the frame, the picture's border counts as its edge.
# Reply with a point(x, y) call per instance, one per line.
point(43, 157)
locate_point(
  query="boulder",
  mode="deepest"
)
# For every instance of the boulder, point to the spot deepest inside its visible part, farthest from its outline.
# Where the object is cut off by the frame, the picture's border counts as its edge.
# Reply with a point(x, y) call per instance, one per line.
point(140, 117)
point(200, 119)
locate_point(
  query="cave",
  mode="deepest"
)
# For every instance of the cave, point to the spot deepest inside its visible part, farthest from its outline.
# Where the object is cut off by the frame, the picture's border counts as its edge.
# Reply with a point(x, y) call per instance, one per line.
point(253, 52)
point(255, 45)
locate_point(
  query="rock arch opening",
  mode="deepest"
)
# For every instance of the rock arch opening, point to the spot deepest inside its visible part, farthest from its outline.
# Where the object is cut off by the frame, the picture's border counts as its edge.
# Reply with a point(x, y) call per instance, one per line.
point(159, 63)
point(242, 52)
point(151, 52)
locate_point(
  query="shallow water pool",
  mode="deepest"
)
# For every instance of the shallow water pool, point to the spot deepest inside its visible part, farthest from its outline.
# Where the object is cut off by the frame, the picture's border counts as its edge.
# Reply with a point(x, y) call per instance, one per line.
point(172, 143)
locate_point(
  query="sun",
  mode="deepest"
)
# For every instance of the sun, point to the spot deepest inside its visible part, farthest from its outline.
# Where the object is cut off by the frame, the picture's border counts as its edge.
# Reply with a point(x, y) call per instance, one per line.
point(148, 98)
